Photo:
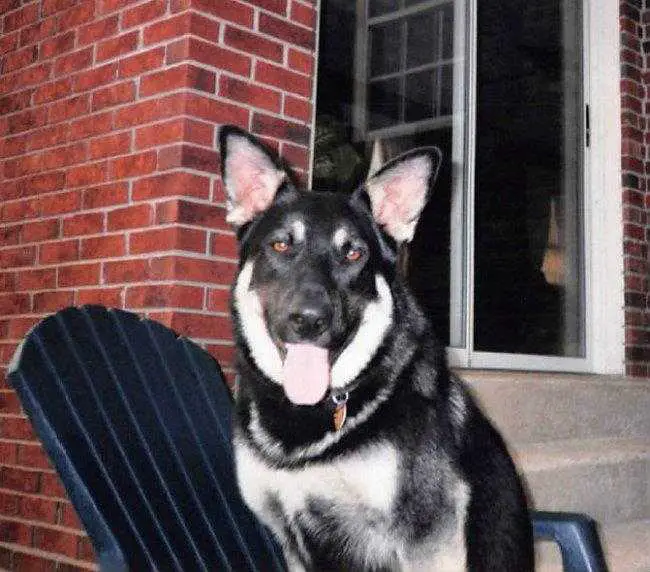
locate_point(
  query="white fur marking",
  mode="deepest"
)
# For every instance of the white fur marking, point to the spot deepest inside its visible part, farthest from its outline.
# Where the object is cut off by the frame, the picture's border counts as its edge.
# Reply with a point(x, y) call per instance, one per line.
point(340, 237)
point(263, 350)
point(377, 318)
point(458, 406)
point(299, 230)
point(367, 479)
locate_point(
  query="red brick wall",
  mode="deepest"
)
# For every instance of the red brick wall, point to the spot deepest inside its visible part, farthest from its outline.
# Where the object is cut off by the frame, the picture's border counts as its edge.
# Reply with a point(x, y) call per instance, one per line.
point(109, 187)
point(635, 24)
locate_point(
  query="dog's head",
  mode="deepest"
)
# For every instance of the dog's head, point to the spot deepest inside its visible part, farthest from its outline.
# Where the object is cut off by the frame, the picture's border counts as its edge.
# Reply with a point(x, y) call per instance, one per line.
point(312, 299)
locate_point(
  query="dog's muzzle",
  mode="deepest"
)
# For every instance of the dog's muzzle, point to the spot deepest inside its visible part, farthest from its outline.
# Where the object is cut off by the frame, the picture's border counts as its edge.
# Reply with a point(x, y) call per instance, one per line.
point(306, 338)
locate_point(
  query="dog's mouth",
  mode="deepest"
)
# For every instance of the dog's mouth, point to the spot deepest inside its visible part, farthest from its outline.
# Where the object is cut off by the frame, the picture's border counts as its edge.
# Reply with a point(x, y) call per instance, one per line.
point(305, 372)
point(306, 364)
point(306, 369)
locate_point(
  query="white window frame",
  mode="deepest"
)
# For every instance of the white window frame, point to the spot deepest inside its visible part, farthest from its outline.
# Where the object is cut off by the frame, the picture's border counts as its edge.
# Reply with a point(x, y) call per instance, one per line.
point(602, 204)
point(602, 208)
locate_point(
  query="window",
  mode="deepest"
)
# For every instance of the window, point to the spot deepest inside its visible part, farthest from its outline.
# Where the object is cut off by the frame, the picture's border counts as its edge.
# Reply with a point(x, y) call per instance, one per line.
point(406, 59)
point(502, 260)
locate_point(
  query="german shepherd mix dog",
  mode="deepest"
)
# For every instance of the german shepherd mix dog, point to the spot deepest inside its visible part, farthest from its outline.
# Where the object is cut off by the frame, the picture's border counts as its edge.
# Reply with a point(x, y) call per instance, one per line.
point(353, 441)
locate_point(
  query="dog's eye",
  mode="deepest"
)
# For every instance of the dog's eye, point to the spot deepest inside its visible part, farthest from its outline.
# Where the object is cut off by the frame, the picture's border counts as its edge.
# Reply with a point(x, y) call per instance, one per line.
point(353, 254)
point(280, 246)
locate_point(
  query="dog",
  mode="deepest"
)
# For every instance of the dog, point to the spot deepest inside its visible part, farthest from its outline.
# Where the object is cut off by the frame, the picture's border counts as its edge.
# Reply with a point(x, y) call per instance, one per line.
point(353, 441)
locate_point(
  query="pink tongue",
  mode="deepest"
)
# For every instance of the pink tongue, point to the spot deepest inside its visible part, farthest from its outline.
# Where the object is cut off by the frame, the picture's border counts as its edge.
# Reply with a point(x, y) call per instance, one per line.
point(306, 373)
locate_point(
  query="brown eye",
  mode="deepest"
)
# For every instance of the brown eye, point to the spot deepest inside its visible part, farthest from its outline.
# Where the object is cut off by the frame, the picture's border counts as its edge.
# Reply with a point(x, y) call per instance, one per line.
point(280, 246)
point(353, 254)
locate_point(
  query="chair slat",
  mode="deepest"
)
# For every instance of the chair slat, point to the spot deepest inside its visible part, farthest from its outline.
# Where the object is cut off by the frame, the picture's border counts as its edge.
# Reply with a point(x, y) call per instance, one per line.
point(137, 423)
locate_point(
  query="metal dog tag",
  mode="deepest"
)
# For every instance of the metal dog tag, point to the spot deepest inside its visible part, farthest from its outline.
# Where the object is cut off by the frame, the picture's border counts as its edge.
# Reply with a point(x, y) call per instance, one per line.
point(340, 413)
point(341, 410)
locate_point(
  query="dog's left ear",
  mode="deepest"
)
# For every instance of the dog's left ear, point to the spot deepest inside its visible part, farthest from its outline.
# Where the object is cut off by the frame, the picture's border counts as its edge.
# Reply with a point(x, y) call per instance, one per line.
point(400, 189)
point(250, 174)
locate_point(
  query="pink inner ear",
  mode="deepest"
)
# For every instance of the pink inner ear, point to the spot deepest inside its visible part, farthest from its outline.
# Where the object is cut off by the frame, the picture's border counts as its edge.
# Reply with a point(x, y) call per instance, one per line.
point(393, 207)
point(398, 196)
point(251, 181)
point(252, 188)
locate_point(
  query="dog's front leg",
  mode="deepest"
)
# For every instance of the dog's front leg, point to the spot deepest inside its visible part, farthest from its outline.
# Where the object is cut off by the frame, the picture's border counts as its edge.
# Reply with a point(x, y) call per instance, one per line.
point(288, 533)
point(293, 547)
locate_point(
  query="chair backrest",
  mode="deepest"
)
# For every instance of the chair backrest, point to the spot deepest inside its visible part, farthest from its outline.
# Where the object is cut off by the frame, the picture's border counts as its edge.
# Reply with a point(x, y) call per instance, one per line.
point(137, 423)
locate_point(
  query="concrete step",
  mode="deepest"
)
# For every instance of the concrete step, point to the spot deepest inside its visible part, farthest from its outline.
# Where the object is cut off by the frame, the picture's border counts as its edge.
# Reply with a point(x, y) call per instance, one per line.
point(627, 546)
point(540, 407)
point(607, 479)
point(583, 445)
point(627, 549)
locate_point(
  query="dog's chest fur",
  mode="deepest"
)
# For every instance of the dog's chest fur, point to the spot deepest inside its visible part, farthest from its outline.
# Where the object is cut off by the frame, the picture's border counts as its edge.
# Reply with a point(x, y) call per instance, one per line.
point(353, 502)
point(367, 479)
point(349, 501)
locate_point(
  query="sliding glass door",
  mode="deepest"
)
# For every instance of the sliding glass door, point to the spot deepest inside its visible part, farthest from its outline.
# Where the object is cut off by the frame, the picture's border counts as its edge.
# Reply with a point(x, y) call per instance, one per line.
point(498, 258)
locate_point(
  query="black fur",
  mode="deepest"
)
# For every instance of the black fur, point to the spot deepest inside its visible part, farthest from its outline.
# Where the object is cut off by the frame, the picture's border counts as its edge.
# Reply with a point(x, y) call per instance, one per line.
point(423, 410)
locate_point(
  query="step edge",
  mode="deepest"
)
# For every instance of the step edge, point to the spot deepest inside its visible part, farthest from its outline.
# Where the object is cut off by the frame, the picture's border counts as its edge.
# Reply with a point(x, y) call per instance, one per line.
point(539, 457)
point(480, 376)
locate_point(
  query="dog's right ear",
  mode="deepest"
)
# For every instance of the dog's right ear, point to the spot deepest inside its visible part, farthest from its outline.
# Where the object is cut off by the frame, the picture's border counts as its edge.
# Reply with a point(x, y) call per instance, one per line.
point(250, 173)
point(398, 192)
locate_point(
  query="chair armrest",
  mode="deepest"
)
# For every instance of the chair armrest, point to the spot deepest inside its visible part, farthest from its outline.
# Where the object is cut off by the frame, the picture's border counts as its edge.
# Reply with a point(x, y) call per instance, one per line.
point(577, 536)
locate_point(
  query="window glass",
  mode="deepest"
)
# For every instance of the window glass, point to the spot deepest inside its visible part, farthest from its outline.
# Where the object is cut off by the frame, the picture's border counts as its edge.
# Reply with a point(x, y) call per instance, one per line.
point(528, 294)
point(379, 7)
point(420, 47)
point(385, 48)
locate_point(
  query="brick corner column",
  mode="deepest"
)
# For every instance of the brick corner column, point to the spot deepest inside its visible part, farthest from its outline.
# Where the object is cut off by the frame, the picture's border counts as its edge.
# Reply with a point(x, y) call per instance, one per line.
point(110, 190)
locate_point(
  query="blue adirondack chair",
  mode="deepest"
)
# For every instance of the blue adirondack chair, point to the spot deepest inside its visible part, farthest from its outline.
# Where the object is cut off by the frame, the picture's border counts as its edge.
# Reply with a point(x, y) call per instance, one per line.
point(136, 421)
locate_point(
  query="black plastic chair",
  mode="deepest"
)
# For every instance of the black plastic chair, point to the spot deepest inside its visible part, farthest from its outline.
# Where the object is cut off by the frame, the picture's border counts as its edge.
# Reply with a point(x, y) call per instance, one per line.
point(136, 421)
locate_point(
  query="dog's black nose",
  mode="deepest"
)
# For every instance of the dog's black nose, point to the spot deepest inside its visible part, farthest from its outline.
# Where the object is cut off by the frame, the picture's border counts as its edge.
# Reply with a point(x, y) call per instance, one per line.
point(310, 321)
